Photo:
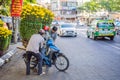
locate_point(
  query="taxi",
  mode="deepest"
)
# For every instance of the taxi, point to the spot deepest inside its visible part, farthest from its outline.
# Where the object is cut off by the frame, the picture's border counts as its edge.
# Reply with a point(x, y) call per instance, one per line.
point(101, 28)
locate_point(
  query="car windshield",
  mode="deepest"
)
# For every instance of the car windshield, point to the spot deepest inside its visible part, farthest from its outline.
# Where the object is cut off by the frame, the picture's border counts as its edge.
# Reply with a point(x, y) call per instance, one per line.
point(105, 24)
point(67, 26)
point(117, 24)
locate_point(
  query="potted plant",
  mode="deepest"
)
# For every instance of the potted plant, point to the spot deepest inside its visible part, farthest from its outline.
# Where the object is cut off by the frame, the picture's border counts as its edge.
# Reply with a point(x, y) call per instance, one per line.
point(5, 38)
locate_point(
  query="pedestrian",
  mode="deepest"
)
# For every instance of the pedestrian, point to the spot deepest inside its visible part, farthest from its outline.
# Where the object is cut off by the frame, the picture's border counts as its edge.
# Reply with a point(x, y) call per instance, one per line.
point(33, 48)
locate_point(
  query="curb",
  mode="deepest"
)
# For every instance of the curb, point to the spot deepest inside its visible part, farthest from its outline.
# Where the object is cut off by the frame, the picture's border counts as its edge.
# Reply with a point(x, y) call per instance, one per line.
point(5, 58)
point(1, 62)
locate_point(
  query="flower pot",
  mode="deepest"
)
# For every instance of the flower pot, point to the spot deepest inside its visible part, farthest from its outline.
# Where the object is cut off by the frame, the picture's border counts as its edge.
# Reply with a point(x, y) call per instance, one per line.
point(4, 44)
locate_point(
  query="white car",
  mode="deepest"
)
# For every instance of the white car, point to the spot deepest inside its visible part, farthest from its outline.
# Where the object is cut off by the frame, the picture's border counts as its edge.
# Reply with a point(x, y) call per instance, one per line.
point(67, 29)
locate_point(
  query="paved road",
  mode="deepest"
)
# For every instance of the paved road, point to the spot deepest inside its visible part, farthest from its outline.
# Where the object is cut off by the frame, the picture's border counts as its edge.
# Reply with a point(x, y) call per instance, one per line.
point(89, 60)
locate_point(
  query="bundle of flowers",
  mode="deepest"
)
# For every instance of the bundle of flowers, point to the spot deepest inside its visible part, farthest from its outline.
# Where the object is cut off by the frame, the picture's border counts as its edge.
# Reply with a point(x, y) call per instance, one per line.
point(1, 23)
point(4, 32)
point(5, 38)
point(33, 18)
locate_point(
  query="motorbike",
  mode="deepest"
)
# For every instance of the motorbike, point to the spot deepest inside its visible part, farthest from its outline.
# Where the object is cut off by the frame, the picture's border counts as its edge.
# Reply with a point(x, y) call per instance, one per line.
point(51, 55)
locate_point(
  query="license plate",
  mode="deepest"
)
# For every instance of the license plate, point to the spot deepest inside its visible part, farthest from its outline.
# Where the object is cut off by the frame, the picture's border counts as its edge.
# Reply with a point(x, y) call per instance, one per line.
point(69, 32)
point(106, 29)
point(104, 32)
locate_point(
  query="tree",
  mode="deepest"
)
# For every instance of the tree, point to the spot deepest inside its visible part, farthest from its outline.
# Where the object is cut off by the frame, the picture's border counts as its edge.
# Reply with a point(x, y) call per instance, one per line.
point(29, 1)
point(94, 5)
point(91, 6)
point(5, 7)
point(110, 5)
point(117, 6)
point(33, 18)
point(5, 2)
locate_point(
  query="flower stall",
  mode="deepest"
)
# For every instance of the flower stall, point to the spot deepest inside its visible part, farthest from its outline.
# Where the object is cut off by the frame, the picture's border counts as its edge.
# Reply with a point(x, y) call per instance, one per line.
point(33, 18)
point(5, 38)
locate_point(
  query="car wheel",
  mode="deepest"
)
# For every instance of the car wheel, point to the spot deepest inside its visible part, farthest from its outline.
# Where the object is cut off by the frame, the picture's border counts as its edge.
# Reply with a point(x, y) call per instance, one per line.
point(118, 32)
point(103, 37)
point(94, 37)
point(88, 36)
point(75, 35)
point(60, 35)
point(111, 38)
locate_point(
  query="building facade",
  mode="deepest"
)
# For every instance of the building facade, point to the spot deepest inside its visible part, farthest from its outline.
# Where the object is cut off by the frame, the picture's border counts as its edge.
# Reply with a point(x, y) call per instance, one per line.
point(44, 3)
point(65, 9)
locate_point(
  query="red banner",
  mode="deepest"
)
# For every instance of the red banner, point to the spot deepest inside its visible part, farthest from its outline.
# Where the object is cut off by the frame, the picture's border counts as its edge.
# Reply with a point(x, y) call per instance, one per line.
point(16, 8)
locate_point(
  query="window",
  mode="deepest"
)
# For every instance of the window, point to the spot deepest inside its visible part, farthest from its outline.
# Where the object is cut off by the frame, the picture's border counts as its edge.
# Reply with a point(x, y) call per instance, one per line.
point(104, 24)
point(64, 3)
point(67, 26)
point(72, 4)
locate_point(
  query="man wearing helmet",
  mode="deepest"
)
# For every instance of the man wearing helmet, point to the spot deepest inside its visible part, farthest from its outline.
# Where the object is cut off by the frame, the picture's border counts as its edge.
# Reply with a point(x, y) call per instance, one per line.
point(35, 43)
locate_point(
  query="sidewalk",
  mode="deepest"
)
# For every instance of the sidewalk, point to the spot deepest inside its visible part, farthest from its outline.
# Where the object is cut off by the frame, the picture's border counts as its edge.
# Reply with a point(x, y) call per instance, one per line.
point(9, 53)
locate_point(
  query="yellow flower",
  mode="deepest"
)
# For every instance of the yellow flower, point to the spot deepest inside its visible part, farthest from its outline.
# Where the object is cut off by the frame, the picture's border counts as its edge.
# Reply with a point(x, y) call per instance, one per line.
point(5, 32)
point(1, 23)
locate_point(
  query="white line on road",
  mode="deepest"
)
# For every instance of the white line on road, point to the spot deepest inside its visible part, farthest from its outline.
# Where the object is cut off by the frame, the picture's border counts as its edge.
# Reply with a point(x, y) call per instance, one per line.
point(114, 46)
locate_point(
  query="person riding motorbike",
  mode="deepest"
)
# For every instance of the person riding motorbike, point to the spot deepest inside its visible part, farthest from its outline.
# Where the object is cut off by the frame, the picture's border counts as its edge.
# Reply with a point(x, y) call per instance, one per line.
point(49, 34)
point(33, 48)
point(53, 33)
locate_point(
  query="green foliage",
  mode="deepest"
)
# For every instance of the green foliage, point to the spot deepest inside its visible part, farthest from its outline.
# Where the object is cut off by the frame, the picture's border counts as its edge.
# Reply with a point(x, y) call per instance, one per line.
point(96, 5)
point(5, 2)
point(4, 44)
point(29, 1)
point(33, 18)
point(29, 27)
point(3, 11)
point(91, 6)
point(107, 5)
point(5, 7)
point(111, 5)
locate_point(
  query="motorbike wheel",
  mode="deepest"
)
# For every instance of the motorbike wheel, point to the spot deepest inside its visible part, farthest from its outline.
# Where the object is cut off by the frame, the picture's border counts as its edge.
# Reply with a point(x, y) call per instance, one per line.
point(33, 61)
point(61, 62)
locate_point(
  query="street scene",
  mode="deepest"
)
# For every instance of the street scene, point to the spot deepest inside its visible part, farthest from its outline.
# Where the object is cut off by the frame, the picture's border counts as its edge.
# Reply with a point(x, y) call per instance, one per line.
point(59, 40)
point(89, 60)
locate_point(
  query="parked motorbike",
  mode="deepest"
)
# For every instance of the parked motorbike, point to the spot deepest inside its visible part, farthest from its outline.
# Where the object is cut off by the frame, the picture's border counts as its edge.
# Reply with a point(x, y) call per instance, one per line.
point(51, 55)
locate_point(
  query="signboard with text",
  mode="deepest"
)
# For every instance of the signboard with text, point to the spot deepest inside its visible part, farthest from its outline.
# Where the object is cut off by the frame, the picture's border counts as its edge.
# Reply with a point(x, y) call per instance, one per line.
point(16, 8)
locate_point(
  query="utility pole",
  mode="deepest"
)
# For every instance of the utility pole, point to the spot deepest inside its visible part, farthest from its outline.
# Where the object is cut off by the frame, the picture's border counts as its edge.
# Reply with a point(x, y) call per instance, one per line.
point(15, 25)
point(16, 9)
